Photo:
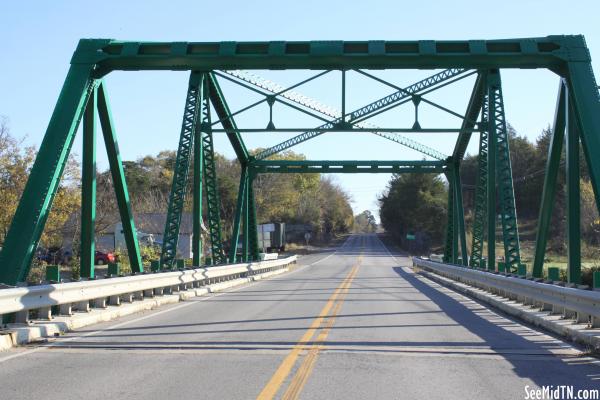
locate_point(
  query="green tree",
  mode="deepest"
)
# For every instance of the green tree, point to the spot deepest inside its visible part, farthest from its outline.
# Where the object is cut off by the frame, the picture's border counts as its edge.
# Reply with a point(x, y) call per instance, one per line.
point(414, 203)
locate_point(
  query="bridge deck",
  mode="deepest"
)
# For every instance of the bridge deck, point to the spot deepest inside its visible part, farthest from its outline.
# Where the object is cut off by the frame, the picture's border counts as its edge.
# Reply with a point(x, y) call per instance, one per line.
point(354, 323)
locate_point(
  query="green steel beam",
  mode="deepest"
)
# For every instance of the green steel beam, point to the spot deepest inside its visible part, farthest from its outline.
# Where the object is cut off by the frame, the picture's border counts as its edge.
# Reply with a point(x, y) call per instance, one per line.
point(362, 113)
point(213, 204)
point(506, 192)
point(491, 182)
point(583, 90)
point(181, 170)
point(545, 52)
point(246, 221)
point(473, 110)
point(252, 219)
point(314, 166)
point(460, 214)
point(239, 213)
point(197, 248)
point(222, 109)
point(32, 212)
point(449, 248)
point(479, 215)
point(573, 199)
point(278, 90)
point(119, 183)
point(88, 188)
point(550, 179)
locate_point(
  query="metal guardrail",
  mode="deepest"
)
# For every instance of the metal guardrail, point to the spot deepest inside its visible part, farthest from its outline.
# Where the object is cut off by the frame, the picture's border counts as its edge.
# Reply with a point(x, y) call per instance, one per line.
point(23, 299)
point(583, 305)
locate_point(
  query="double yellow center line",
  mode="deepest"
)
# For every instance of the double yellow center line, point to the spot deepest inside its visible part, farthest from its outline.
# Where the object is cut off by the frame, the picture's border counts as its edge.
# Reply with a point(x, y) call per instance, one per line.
point(324, 322)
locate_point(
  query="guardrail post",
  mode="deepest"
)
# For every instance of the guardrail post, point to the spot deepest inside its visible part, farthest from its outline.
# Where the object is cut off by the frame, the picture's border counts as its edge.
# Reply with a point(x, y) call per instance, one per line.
point(114, 300)
point(148, 293)
point(66, 309)
point(127, 297)
point(100, 303)
point(582, 318)
point(53, 273)
point(45, 313)
point(114, 269)
point(553, 274)
point(83, 306)
point(22, 317)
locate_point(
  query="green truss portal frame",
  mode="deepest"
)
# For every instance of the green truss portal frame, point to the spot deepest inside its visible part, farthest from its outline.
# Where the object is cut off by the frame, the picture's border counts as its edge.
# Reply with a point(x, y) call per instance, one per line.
point(84, 96)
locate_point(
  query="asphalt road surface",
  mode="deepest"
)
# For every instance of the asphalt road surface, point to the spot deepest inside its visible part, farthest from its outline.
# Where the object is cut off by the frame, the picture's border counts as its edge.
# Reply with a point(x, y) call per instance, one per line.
point(351, 323)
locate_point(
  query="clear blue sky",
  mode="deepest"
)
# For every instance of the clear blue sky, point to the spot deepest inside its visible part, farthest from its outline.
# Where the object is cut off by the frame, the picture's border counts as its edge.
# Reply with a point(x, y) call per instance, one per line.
point(38, 38)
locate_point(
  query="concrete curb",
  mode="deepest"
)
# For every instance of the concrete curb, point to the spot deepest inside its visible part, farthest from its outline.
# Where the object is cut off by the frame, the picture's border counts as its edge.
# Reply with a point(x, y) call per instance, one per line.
point(39, 331)
point(555, 323)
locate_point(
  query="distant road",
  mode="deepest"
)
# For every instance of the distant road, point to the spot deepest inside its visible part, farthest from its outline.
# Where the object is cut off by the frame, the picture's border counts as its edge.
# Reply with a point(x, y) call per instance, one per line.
point(351, 324)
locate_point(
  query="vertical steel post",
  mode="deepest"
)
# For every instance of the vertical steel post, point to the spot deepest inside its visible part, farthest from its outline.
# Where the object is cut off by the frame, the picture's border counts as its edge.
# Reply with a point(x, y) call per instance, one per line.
point(252, 219)
point(506, 192)
point(460, 214)
point(550, 178)
point(213, 204)
point(573, 198)
point(449, 248)
point(119, 183)
point(32, 212)
point(491, 182)
point(246, 238)
point(88, 188)
point(480, 213)
point(583, 90)
point(181, 170)
point(197, 199)
point(235, 235)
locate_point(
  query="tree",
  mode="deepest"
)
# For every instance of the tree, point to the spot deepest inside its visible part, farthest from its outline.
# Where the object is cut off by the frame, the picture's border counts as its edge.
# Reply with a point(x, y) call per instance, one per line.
point(16, 161)
point(414, 204)
point(365, 222)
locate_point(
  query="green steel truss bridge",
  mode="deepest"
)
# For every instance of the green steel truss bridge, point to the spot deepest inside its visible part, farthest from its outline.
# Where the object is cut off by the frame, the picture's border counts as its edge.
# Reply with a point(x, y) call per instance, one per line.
point(206, 113)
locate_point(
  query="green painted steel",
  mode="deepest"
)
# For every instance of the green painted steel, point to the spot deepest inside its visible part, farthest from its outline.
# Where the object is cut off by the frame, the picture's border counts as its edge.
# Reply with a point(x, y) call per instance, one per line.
point(374, 108)
point(213, 204)
point(246, 222)
point(460, 214)
point(181, 170)
point(252, 230)
point(491, 183)
point(506, 193)
point(88, 188)
point(114, 269)
point(583, 90)
point(278, 90)
point(354, 167)
point(222, 109)
point(235, 236)
point(473, 110)
point(119, 183)
point(480, 212)
point(553, 274)
point(544, 52)
point(573, 199)
point(53, 273)
point(197, 248)
point(550, 178)
point(568, 56)
point(32, 212)
point(449, 253)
